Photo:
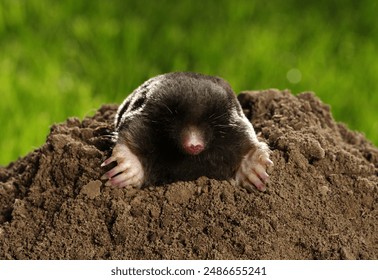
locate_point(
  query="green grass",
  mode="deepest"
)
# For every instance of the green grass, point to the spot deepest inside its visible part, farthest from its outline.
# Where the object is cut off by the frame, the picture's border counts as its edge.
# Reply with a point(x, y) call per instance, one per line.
point(66, 58)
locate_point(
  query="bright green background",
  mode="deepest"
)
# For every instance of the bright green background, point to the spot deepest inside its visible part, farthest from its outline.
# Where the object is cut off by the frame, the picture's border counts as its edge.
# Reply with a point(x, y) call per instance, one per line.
point(66, 58)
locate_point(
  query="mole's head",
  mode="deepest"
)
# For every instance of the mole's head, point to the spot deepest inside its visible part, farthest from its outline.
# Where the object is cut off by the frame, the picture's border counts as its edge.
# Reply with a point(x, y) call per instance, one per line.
point(191, 113)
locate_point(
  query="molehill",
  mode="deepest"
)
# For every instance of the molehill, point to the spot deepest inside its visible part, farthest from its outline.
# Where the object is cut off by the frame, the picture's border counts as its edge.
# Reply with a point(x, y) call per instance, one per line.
point(320, 203)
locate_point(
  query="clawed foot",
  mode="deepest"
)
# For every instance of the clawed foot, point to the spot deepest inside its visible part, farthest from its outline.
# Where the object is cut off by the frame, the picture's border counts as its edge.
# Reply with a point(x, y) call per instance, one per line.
point(129, 170)
point(252, 170)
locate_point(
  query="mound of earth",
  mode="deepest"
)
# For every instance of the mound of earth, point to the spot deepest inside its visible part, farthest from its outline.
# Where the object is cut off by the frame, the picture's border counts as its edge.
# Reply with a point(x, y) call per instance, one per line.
point(321, 202)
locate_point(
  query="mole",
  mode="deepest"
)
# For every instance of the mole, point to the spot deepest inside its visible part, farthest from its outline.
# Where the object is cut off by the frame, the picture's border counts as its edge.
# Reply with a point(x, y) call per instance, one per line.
point(180, 126)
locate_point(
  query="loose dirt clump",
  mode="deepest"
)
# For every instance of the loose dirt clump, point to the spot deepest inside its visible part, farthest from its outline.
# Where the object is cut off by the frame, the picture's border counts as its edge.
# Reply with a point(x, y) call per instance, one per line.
point(321, 202)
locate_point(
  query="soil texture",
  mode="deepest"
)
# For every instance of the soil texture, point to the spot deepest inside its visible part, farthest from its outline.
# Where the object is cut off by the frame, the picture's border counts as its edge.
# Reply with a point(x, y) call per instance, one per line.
point(321, 201)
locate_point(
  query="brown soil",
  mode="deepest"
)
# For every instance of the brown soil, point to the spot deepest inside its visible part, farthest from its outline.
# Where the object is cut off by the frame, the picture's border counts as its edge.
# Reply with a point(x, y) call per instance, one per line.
point(321, 202)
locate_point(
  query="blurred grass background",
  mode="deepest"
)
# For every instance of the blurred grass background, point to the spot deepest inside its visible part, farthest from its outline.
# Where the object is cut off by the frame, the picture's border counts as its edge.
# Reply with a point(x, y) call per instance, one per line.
point(66, 58)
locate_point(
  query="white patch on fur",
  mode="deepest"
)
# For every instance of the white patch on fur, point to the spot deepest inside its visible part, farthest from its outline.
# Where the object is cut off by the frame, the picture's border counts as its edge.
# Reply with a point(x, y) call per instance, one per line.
point(149, 87)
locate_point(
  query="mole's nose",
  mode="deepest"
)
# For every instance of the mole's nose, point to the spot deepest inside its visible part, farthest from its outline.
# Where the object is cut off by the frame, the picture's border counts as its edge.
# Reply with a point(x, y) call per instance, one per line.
point(194, 149)
point(192, 140)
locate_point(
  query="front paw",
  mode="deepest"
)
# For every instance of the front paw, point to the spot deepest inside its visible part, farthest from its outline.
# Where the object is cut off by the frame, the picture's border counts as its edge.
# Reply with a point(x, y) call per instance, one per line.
point(129, 170)
point(252, 170)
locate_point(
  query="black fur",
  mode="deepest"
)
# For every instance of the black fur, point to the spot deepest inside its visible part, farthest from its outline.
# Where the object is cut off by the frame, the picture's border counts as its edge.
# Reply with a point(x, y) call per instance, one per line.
point(182, 99)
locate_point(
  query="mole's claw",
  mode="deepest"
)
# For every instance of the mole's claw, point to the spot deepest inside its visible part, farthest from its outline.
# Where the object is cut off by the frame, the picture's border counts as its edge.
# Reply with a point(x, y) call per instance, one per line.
point(255, 180)
point(269, 162)
point(260, 172)
point(128, 171)
point(121, 167)
point(252, 170)
point(109, 160)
